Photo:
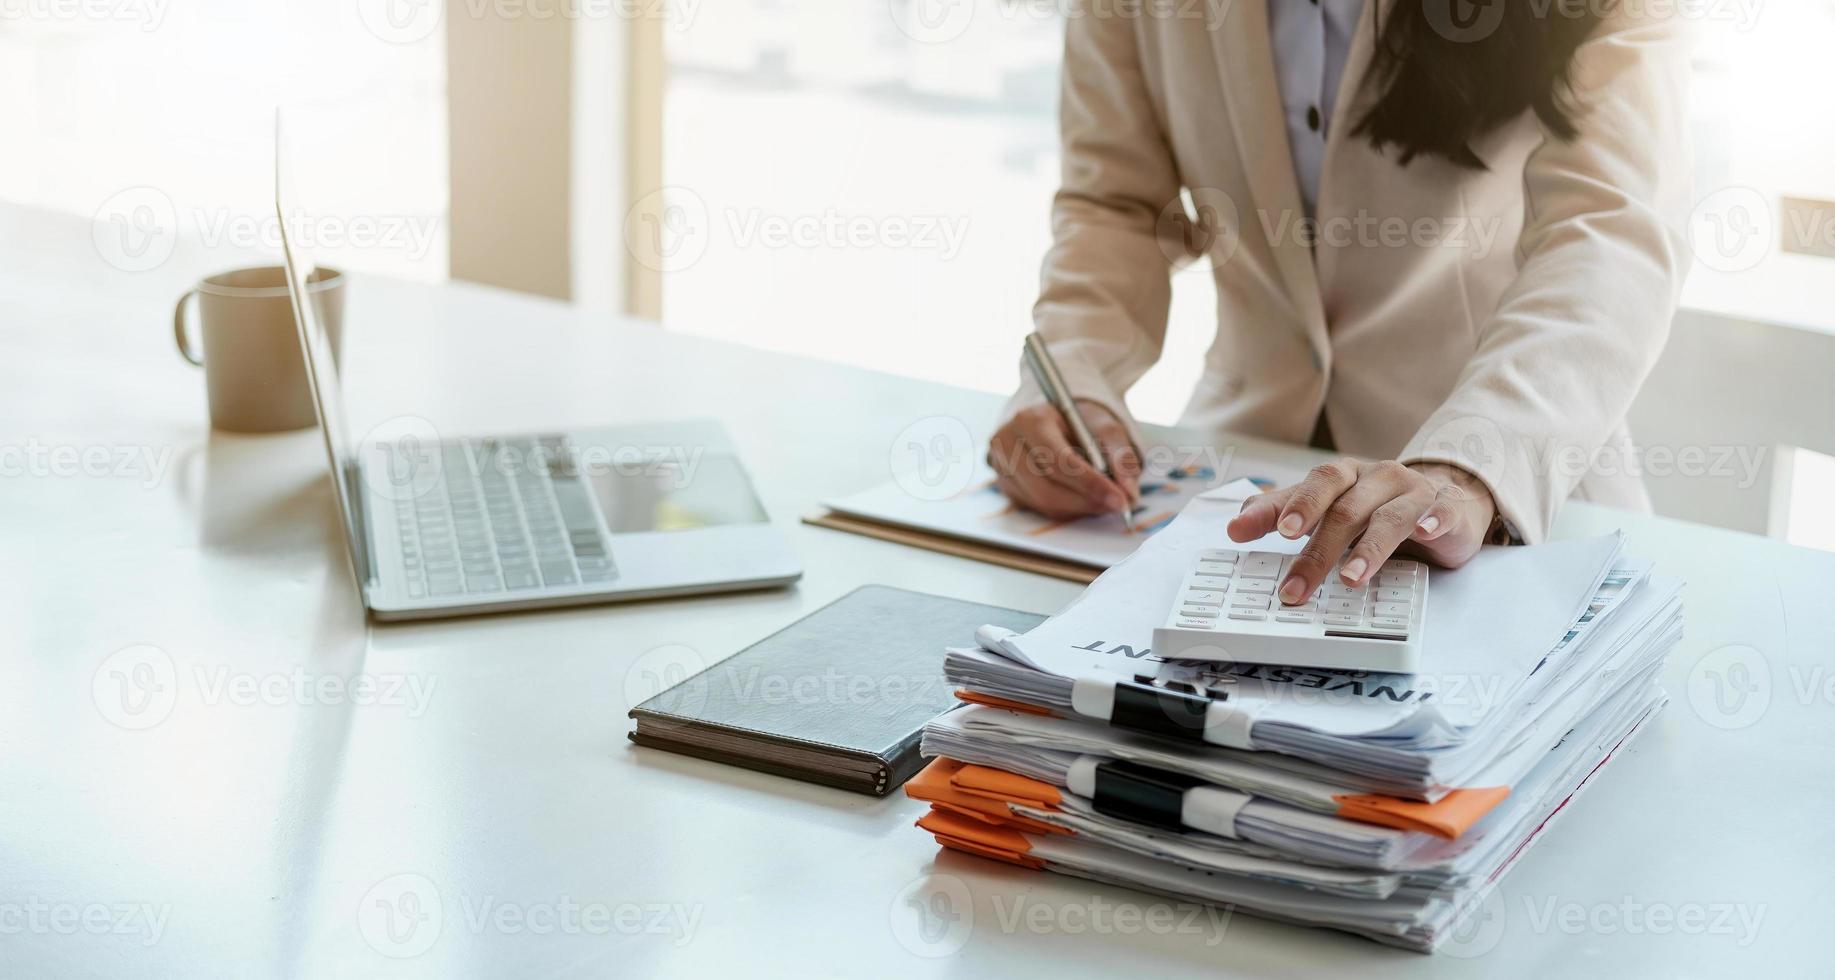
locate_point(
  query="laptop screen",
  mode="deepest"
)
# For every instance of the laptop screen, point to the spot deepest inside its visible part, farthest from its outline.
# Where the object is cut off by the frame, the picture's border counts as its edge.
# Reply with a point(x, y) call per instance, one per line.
point(303, 278)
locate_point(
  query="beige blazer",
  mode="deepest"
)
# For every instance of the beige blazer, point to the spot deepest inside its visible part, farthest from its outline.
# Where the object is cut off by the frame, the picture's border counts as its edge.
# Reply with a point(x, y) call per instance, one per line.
point(1501, 320)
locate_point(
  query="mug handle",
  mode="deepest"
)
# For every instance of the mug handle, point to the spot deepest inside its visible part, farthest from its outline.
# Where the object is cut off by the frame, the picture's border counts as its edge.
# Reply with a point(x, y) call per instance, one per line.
point(180, 334)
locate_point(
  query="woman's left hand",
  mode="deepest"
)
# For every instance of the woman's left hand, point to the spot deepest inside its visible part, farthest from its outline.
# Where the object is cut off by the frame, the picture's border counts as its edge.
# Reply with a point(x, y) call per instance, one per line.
point(1439, 512)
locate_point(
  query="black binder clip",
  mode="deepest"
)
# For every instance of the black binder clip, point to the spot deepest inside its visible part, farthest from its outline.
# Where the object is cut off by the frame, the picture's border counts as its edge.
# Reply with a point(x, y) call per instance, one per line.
point(1171, 708)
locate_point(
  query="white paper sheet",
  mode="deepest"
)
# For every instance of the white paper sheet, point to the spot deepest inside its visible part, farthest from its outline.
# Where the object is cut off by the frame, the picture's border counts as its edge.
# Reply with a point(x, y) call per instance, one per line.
point(1489, 625)
point(982, 513)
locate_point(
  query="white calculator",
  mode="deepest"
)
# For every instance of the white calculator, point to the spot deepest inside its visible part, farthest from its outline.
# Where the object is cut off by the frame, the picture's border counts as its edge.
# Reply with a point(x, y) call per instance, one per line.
point(1227, 609)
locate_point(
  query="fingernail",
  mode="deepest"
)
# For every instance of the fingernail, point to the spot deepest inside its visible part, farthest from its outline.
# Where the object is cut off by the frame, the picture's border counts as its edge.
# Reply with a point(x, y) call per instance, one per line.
point(1429, 524)
point(1355, 568)
point(1292, 589)
point(1290, 526)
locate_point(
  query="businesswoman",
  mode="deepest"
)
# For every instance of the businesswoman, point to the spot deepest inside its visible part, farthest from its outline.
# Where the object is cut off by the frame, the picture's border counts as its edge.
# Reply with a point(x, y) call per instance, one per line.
point(1447, 241)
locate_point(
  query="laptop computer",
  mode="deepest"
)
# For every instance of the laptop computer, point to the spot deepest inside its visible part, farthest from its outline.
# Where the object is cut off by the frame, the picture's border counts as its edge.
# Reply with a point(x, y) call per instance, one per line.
point(442, 526)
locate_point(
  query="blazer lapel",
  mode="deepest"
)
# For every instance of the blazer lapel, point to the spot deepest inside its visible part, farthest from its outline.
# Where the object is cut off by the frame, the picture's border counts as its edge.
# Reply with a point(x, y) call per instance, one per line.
point(1245, 59)
point(1354, 99)
point(1353, 95)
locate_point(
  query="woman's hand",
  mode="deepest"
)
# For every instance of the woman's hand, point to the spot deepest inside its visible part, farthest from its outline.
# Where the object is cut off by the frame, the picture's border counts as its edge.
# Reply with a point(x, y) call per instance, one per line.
point(1040, 468)
point(1438, 512)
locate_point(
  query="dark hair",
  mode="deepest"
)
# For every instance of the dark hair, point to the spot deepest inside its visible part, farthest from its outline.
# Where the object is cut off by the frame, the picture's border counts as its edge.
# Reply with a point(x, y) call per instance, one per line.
point(1452, 70)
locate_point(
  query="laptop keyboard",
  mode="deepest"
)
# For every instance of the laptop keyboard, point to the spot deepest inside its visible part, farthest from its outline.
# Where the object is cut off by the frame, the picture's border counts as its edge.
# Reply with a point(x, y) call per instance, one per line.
point(505, 515)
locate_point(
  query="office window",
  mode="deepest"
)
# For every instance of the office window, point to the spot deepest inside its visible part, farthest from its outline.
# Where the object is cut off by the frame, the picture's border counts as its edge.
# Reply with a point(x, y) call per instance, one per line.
point(157, 117)
point(875, 178)
point(876, 182)
point(1765, 163)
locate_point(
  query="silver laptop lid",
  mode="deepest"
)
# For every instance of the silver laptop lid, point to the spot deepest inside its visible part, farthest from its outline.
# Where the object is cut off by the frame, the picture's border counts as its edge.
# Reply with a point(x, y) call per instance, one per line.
point(322, 376)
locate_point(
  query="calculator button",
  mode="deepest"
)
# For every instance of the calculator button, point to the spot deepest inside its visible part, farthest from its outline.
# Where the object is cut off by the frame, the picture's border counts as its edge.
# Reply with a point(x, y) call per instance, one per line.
point(1294, 616)
point(1203, 597)
point(1394, 580)
point(1218, 554)
point(1199, 612)
point(1249, 602)
point(1255, 586)
point(1389, 623)
point(1340, 619)
point(1254, 614)
point(1195, 624)
point(1216, 566)
point(1215, 583)
point(1344, 605)
point(1335, 588)
point(1259, 566)
point(1400, 566)
point(1394, 595)
point(1391, 610)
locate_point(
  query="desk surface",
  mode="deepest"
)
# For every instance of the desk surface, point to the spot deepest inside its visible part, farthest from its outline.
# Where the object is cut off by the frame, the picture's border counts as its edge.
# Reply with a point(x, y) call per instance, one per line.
point(277, 821)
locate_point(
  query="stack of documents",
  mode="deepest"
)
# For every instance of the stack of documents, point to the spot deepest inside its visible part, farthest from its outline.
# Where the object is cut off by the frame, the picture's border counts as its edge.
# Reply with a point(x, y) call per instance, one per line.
point(1373, 803)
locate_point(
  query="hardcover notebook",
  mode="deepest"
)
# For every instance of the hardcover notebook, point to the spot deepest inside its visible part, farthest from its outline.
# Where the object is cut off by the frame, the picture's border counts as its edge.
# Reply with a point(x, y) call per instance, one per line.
point(839, 697)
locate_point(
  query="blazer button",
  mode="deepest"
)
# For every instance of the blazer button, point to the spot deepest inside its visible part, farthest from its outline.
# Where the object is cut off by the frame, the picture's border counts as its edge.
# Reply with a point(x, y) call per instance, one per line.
point(1313, 119)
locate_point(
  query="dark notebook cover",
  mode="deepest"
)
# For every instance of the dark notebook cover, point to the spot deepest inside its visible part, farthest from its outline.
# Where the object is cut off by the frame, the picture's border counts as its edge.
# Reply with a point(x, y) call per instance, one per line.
point(838, 697)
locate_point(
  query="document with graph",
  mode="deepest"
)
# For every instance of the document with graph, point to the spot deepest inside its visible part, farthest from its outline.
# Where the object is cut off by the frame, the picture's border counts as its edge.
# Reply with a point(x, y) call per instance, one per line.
point(980, 512)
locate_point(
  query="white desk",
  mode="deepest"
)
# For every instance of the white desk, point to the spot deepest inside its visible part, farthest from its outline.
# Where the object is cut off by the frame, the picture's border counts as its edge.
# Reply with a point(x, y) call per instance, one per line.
point(259, 831)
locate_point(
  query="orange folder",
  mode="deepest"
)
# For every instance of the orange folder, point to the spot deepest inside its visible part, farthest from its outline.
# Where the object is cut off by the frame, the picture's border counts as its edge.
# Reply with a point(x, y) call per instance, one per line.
point(972, 697)
point(1453, 815)
point(935, 785)
point(977, 837)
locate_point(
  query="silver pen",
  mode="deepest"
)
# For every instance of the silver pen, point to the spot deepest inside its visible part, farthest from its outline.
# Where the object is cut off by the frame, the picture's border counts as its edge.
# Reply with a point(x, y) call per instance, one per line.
point(1051, 381)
